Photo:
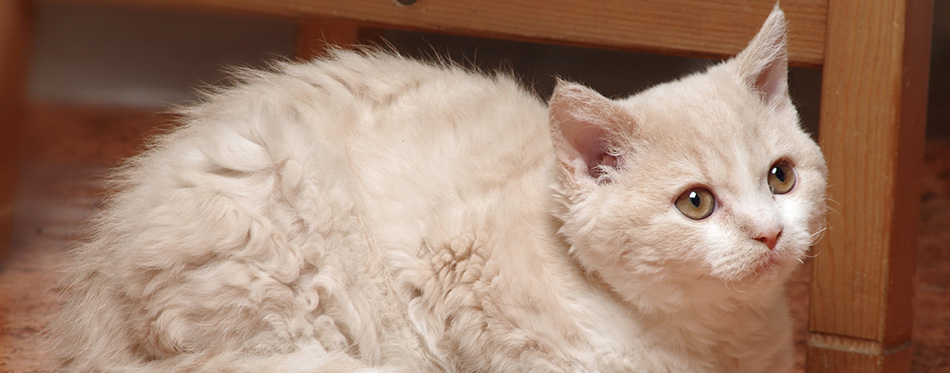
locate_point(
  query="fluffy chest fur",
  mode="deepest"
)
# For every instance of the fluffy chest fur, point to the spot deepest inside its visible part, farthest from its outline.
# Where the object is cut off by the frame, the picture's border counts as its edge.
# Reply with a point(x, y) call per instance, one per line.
point(371, 212)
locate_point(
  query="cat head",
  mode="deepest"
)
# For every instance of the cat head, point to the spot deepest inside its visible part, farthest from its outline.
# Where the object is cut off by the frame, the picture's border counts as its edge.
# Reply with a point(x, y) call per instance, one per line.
point(699, 184)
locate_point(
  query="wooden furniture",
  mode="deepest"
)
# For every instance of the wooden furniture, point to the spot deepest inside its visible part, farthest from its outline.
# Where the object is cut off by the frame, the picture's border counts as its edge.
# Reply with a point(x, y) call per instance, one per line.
point(873, 112)
point(874, 55)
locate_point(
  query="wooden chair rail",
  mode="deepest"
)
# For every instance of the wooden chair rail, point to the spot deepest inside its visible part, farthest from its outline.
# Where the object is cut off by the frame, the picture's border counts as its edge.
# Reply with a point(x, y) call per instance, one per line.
point(684, 27)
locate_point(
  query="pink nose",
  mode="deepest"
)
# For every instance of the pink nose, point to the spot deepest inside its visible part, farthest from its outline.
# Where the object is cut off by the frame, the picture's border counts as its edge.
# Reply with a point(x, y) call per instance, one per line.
point(770, 237)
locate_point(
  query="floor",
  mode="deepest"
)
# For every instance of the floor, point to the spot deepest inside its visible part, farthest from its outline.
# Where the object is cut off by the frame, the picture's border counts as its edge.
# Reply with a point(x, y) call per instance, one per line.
point(70, 148)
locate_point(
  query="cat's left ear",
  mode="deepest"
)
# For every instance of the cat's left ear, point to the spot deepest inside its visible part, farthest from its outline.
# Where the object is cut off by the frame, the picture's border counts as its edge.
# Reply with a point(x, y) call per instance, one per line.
point(763, 65)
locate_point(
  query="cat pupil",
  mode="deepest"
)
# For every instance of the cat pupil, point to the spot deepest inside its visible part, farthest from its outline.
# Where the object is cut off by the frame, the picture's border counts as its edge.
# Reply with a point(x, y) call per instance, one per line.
point(694, 199)
point(779, 174)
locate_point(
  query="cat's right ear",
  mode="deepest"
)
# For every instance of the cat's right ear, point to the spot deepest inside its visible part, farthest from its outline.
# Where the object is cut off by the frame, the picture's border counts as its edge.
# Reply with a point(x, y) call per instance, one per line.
point(763, 64)
point(581, 121)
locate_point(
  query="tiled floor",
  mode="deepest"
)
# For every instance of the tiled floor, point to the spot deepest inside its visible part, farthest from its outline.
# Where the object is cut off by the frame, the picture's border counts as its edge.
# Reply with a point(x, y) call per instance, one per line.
point(71, 148)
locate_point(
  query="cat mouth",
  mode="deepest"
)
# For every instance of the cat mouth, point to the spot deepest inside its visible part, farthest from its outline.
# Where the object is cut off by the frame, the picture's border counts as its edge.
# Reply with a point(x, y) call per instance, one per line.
point(770, 264)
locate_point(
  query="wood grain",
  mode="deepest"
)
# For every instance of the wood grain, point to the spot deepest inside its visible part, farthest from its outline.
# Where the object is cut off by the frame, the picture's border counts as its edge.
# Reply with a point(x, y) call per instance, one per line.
point(684, 27)
point(872, 132)
point(14, 36)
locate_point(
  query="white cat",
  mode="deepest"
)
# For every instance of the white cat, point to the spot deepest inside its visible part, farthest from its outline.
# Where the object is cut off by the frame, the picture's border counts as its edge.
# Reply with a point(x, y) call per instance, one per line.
point(371, 212)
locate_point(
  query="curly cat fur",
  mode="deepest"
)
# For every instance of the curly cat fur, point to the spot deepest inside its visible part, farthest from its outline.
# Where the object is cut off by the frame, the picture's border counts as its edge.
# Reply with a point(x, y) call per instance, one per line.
point(371, 213)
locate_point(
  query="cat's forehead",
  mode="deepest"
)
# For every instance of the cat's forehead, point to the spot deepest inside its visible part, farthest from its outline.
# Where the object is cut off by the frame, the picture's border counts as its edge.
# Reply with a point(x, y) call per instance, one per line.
point(708, 125)
point(705, 105)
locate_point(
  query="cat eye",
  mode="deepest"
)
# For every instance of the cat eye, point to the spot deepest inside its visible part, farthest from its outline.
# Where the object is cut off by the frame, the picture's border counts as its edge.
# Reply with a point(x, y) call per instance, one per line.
point(782, 177)
point(696, 203)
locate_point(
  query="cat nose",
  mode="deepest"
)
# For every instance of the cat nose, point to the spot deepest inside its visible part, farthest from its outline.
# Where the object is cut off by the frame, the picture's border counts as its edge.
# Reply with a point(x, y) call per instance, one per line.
point(770, 237)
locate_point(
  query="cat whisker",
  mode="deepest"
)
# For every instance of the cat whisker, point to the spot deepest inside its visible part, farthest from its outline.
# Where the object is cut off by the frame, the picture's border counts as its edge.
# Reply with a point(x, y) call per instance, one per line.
point(830, 204)
point(729, 286)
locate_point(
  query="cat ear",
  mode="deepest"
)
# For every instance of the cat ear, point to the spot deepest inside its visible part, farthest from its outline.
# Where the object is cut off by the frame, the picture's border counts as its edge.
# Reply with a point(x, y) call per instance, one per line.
point(763, 65)
point(581, 120)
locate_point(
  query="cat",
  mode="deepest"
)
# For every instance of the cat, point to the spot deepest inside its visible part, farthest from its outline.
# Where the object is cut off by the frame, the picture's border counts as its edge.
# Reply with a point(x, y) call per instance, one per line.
point(368, 212)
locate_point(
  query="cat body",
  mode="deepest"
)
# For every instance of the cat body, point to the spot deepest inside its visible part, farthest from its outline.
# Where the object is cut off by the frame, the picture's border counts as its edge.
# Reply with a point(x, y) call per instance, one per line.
point(371, 212)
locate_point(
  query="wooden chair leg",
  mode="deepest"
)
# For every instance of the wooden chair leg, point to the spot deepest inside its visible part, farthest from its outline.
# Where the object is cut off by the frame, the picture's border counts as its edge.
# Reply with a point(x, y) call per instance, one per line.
point(315, 35)
point(872, 131)
point(14, 37)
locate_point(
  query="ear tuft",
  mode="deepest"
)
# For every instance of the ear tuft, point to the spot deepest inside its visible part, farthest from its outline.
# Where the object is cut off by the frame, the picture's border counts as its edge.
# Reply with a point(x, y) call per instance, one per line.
point(763, 65)
point(581, 120)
